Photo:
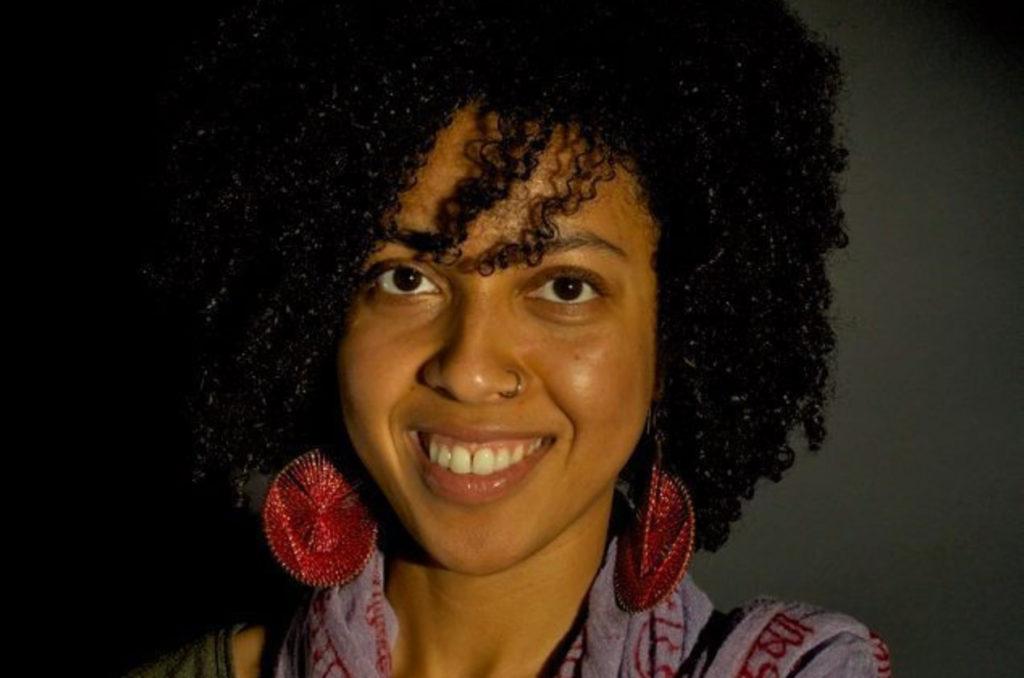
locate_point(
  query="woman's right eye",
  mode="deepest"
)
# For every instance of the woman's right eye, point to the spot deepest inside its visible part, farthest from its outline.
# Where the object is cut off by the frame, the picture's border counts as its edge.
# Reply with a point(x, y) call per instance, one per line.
point(404, 281)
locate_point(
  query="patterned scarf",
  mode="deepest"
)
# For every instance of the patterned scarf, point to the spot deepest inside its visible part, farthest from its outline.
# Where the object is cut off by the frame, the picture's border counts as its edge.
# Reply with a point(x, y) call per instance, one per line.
point(349, 631)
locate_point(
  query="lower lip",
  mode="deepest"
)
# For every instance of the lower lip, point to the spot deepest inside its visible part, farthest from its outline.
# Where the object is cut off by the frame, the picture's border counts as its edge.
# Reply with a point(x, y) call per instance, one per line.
point(469, 488)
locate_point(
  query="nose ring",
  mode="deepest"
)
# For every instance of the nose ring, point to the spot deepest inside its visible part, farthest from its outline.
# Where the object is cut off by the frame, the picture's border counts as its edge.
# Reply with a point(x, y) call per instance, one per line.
point(514, 392)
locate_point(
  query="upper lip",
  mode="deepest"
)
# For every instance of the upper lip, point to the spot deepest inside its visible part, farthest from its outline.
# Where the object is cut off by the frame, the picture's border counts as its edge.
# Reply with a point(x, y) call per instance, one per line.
point(479, 434)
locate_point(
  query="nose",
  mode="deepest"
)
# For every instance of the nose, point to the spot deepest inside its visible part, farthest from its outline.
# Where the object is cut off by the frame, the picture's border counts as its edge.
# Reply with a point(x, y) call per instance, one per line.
point(476, 361)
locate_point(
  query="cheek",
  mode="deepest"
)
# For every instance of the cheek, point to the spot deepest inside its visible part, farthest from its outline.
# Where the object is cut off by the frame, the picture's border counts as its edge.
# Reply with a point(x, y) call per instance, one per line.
point(603, 384)
point(374, 370)
point(601, 378)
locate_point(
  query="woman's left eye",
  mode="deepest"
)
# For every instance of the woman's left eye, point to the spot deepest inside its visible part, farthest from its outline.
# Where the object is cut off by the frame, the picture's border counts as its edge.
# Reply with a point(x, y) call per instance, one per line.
point(404, 281)
point(567, 289)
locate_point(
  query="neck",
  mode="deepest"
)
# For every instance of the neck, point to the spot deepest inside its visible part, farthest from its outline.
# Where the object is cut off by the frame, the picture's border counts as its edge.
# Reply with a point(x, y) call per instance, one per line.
point(507, 623)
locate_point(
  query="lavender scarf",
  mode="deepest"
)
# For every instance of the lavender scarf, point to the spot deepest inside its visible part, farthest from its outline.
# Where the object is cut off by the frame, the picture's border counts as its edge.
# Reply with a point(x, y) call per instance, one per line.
point(349, 632)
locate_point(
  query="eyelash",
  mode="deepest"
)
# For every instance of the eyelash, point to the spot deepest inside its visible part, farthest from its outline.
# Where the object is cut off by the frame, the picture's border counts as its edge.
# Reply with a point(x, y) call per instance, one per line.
point(574, 273)
point(375, 278)
point(371, 277)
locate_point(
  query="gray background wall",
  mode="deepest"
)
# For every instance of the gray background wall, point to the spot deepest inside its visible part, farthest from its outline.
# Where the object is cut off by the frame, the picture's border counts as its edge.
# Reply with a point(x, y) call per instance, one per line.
point(909, 518)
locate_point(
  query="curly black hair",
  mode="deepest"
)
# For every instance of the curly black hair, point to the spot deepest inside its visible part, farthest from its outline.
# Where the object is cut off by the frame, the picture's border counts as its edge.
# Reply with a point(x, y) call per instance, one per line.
point(298, 126)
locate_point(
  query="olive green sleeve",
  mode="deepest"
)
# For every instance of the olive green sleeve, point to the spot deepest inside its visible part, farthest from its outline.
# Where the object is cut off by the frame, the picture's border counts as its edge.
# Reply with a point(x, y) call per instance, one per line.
point(207, 657)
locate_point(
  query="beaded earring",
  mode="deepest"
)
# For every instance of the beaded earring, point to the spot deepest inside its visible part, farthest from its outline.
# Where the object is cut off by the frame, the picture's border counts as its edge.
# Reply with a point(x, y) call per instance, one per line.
point(654, 552)
point(317, 527)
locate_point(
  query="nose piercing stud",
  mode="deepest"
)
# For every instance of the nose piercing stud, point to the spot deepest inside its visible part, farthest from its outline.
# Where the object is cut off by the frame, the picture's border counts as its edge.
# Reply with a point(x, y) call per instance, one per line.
point(514, 392)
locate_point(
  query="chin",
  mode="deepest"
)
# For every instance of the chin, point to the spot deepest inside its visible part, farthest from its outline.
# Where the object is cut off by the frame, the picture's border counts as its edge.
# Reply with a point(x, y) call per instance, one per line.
point(478, 551)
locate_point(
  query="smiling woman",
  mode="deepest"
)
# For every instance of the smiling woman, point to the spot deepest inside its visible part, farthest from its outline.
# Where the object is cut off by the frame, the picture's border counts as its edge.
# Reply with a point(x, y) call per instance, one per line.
point(513, 491)
point(545, 290)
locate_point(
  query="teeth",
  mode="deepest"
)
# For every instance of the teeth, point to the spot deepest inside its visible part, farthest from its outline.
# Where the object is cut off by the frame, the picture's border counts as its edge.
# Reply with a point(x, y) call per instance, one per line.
point(483, 461)
point(502, 460)
point(461, 463)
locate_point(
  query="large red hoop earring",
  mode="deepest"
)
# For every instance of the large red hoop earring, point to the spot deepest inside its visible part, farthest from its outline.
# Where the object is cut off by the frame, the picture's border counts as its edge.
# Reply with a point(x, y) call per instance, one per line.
point(316, 525)
point(654, 552)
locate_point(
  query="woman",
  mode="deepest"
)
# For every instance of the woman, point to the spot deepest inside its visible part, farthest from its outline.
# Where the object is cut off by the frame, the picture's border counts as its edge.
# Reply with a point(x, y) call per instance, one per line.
point(546, 287)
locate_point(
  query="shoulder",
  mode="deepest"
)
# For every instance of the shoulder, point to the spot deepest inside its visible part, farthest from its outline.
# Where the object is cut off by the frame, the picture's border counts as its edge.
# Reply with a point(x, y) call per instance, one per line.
point(225, 653)
point(771, 637)
point(247, 651)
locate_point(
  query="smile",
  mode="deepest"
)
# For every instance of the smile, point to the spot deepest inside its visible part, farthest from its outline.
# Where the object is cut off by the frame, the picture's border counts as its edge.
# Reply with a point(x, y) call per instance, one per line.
point(481, 459)
point(479, 470)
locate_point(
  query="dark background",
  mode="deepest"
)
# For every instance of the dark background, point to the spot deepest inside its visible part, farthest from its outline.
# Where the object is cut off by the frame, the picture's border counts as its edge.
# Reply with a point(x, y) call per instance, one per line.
point(909, 519)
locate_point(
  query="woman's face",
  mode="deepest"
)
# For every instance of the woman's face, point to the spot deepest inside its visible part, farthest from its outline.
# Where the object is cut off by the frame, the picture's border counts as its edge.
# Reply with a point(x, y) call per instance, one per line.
point(428, 350)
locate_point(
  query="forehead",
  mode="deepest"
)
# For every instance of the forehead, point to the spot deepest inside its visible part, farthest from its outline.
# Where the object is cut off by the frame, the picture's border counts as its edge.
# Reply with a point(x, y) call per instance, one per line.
point(616, 213)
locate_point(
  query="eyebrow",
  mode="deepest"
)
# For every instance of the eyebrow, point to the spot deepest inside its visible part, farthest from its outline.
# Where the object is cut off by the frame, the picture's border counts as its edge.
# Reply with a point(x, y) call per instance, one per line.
point(578, 239)
point(563, 243)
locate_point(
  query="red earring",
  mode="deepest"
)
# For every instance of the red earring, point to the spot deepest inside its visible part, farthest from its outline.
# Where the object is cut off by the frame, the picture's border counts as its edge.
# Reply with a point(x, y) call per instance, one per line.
point(315, 523)
point(654, 552)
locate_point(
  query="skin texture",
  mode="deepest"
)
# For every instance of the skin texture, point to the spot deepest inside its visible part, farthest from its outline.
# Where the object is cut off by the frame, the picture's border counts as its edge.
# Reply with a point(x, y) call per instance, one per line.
point(246, 650)
point(440, 355)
